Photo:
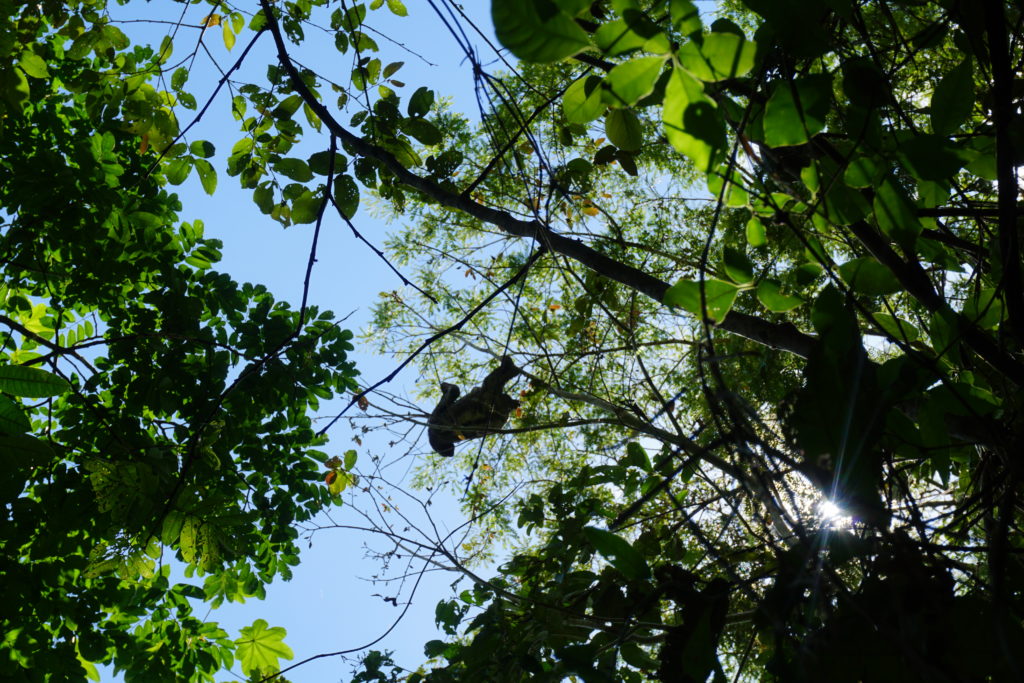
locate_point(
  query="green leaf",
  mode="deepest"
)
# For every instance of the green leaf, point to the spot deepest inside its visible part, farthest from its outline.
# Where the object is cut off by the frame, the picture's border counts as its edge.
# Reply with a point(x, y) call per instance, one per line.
point(931, 157)
point(861, 172)
point(261, 647)
point(422, 130)
point(177, 170)
point(203, 149)
point(320, 162)
point(757, 237)
point(13, 419)
point(953, 99)
point(616, 38)
point(623, 129)
point(897, 328)
point(20, 380)
point(263, 197)
point(306, 207)
point(797, 109)
point(537, 30)
point(629, 81)
point(346, 195)
point(737, 266)
point(398, 8)
point(296, 169)
point(867, 276)
point(718, 57)
point(619, 553)
point(421, 102)
point(692, 123)
point(685, 17)
point(769, 293)
point(984, 308)
point(33, 64)
point(25, 451)
point(719, 297)
point(581, 102)
point(207, 175)
point(895, 214)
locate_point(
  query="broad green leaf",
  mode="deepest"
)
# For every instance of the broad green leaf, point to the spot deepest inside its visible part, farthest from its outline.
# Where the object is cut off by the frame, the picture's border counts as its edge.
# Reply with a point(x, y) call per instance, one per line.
point(867, 276)
point(423, 130)
point(719, 297)
point(623, 129)
point(320, 162)
point(261, 647)
point(685, 17)
point(13, 419)
point(207, 175)
point(398, 8)
point(33, 64)
point(984, 309)
point(737, 266)
point(581, 102)
point(769, 293)
point(421, 102)
point(734, 195)
point(629, 81)
point(287, 107)
point(177, 170)
point(843, 205)
point(351, 456)
point(897, 328)
point(635, 31)
point(797, 109)
point(895, 214)
point(346, 195)
point(692, 122)
point(20, 380)
point(757, 237)
point(931, 157)
point(306, 207)
point(861, 172)
point(616, 38)
point(296, 169)
point(25, 451)
point(619, 553)
point(953, 99)
point(718, 57)
point(172, 526)
point(203, 149)
point(263, 197)
point(537, 30)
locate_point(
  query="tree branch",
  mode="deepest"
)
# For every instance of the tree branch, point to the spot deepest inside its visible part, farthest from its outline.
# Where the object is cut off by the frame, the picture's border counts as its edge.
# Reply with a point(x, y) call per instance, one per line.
point(784, 337)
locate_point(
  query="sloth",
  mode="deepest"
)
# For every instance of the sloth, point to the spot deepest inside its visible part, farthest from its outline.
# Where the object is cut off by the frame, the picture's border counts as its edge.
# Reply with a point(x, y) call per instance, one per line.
point(485, 409)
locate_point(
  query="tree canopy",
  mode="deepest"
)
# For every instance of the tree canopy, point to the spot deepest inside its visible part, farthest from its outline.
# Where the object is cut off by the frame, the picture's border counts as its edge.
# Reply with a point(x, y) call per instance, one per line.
point(757, 268)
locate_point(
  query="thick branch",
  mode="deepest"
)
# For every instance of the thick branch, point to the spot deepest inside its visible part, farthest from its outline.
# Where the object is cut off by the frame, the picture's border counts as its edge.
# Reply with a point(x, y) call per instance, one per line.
point(777, 336)
point(1006, 172)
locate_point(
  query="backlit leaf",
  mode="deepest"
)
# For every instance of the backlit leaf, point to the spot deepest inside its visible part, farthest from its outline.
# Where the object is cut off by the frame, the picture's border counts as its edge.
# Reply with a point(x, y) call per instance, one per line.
point(719, 297)
point(537, 30)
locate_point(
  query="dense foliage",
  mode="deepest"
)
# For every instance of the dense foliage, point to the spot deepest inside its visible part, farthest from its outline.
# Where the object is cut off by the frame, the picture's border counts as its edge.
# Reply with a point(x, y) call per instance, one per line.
point(151, 407)
point(759, 268)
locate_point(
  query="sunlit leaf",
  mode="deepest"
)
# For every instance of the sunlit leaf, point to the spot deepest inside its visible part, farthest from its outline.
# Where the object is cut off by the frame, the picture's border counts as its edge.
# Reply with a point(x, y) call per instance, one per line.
point(719, 297)
point(261, 647)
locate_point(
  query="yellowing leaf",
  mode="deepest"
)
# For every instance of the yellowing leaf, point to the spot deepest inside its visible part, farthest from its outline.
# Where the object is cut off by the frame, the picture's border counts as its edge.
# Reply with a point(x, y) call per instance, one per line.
point(211, 20)
point(229, 37)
